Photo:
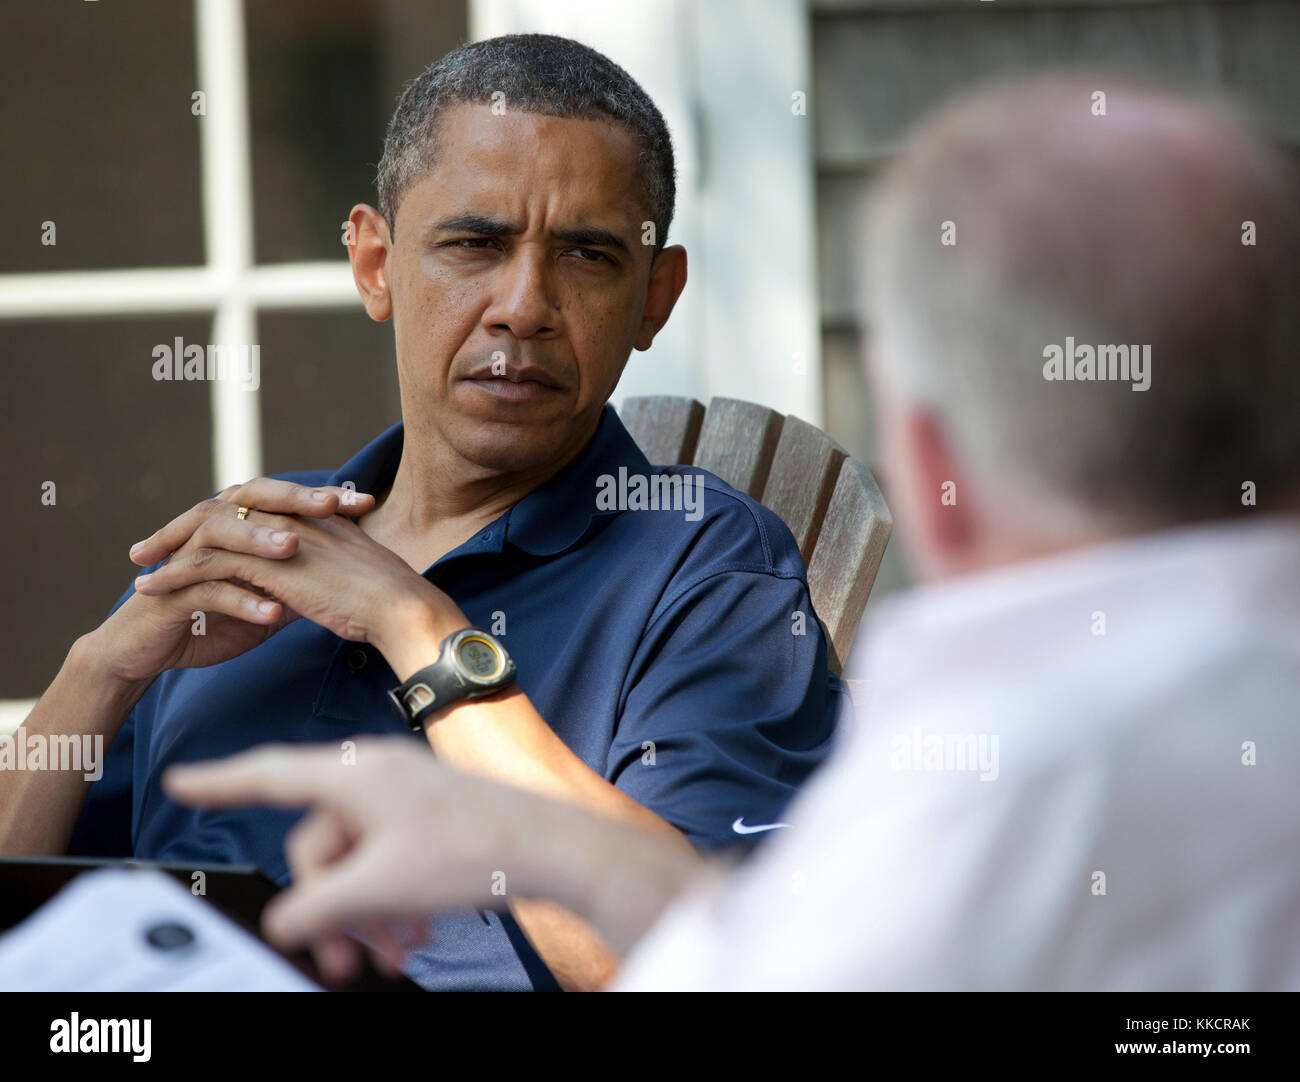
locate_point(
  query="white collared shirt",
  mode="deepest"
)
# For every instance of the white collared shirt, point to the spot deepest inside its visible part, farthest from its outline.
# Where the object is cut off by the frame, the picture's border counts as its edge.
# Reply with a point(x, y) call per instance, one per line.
point(1077, 773)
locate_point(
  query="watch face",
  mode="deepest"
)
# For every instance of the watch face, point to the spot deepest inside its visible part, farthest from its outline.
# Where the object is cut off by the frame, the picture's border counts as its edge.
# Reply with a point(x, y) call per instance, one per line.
point(480, 659)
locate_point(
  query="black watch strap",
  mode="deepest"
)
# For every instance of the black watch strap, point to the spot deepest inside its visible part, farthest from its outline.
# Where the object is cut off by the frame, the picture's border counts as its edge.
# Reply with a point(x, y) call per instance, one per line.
point(472, 664)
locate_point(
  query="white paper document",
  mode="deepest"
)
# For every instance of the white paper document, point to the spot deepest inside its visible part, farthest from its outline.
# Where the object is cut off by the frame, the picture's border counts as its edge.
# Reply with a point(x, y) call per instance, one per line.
point(137, 930)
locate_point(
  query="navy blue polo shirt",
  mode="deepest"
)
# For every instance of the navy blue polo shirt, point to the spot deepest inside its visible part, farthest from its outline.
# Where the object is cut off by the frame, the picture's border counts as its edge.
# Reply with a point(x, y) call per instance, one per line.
point(662, 646)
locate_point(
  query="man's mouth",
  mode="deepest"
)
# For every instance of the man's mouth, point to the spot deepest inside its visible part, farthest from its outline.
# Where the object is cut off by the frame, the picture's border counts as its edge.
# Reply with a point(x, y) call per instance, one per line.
point(515, 383)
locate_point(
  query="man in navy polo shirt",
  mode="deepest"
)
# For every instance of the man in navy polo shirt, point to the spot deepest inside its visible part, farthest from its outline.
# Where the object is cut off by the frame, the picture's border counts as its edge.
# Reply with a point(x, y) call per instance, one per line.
point(666, 670)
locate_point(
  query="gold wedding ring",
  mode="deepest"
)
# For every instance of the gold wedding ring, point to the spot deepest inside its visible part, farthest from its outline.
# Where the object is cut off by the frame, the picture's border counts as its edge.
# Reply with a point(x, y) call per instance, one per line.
point(242, 513)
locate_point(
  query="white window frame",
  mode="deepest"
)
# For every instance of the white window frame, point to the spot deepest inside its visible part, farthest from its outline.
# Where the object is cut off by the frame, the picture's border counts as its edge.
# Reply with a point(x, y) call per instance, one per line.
point(229, 284)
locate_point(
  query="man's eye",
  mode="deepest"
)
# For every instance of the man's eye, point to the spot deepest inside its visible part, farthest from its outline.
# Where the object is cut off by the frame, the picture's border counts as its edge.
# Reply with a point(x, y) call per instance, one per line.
point(472, 242)
point(589, 255)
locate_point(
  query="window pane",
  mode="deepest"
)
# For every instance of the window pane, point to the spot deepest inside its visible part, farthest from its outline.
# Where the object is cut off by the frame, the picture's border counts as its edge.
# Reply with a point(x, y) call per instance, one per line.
point(98, 135)
point(329, 386)
point(125, 453)
point(323, 80)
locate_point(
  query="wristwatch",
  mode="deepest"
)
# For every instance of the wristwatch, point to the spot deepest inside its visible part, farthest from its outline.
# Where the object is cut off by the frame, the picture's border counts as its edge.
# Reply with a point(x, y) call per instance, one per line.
point(472, 664)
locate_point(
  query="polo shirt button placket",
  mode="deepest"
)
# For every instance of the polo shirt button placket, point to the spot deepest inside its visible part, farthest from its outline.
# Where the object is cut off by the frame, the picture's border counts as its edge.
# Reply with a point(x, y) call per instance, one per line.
point(357, 660)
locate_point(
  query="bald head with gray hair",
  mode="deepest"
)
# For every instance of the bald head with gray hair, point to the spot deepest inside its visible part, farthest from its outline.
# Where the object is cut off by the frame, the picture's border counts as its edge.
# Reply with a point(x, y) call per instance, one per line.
point(1039, 217)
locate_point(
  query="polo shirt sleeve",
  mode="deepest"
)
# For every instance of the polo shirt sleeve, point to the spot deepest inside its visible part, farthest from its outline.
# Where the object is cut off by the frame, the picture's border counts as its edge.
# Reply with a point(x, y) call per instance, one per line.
point(731, 706)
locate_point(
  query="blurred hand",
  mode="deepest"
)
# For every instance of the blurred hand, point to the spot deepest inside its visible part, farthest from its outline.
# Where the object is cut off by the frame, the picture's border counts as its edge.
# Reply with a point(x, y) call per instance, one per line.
point(392, 835)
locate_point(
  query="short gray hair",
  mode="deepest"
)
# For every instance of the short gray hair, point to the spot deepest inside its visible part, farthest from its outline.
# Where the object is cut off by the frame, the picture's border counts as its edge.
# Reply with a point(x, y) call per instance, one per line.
point(536, 73)
point(1114, 229)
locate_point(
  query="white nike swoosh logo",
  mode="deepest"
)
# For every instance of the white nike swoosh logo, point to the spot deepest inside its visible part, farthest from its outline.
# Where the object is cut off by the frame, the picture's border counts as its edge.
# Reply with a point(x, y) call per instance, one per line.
point(739, 827)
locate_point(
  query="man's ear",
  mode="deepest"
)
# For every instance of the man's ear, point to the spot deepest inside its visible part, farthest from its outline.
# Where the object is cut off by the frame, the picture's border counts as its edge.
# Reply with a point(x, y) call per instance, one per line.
point(944, 502)
point(369, 243)
point(667, 280)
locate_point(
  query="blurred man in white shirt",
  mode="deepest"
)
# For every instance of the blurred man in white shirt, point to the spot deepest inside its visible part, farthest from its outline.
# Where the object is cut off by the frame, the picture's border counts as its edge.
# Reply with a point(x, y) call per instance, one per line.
point(1076, 746)
point(1028, 803)
point(1073, 760)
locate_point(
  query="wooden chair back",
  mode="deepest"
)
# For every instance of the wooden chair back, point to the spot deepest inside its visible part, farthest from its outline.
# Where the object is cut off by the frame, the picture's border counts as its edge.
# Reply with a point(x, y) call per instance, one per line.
point(830, 501)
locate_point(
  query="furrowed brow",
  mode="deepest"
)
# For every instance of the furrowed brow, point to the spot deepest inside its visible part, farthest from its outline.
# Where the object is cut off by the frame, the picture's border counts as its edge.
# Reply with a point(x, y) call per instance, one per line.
point(484, 225)
point(591, 237)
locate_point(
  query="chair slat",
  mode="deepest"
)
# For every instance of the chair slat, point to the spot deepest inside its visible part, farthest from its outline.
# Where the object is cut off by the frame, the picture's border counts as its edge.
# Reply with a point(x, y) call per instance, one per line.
point(847, 556)
point(737, 442)
point(665, 427)
point(804, 470)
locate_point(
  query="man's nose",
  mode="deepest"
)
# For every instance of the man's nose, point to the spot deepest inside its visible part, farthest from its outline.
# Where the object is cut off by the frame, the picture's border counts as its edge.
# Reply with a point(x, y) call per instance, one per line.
point(524, 298)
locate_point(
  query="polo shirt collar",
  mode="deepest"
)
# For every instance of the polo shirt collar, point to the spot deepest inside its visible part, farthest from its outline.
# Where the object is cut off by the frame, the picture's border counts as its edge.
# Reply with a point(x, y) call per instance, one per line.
point(560, 513)
point(553, 517)
point(373, 468)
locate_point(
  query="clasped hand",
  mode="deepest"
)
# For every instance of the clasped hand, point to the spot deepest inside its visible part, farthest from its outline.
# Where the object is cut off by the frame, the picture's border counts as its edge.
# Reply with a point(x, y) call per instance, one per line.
point(294, 554)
